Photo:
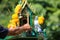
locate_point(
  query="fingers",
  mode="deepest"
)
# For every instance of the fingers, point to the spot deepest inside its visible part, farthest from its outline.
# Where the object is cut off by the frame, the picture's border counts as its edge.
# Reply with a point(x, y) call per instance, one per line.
point(13, 31)
point(19, 30)
point(27, 27)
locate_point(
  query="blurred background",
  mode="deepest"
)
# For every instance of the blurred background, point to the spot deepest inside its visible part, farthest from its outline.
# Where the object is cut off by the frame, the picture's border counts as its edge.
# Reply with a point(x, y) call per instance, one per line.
point(50, 9)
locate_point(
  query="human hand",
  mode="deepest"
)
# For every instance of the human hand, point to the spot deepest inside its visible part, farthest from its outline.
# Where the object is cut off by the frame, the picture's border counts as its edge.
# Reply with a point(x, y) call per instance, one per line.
point(18, 30)
point(13, 31)
point(26, 27)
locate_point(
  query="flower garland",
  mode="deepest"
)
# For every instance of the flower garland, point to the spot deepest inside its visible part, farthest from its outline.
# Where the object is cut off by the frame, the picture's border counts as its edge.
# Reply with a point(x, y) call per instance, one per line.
point(15, 20)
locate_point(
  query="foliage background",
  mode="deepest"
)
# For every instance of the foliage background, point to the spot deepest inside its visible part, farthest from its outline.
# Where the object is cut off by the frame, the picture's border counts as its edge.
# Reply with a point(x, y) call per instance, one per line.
point(50, 9)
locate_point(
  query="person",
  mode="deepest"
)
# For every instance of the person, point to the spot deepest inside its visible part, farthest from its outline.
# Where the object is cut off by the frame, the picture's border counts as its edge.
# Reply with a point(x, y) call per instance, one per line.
point(13, 31)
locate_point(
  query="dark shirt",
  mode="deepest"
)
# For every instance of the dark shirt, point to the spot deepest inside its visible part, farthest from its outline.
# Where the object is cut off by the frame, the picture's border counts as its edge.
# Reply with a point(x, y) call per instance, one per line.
point(3, 32)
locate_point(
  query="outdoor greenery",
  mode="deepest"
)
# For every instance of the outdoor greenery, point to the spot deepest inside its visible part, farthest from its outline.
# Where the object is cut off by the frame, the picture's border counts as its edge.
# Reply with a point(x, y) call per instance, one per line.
point(50, 9)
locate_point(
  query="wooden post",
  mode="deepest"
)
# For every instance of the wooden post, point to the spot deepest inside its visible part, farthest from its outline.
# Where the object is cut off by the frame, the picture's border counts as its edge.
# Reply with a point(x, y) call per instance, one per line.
point(28, 18)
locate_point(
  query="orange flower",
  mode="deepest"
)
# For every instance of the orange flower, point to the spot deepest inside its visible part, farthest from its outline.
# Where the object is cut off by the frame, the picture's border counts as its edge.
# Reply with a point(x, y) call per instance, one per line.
point(41, 20)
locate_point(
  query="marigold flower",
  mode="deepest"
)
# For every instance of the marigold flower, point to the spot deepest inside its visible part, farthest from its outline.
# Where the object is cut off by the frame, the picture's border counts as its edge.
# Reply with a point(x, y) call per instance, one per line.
point(11, 25)
point(15, 16)
point(14, 20)
point(18, 9)
point(41, 20)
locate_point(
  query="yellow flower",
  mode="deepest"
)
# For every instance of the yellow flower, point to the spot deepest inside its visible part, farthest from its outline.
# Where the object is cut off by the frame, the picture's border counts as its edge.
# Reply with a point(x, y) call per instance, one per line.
point(18, 9)
point(11, 25)
point(15, 16)
point(14, 20)
point(41, 20)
